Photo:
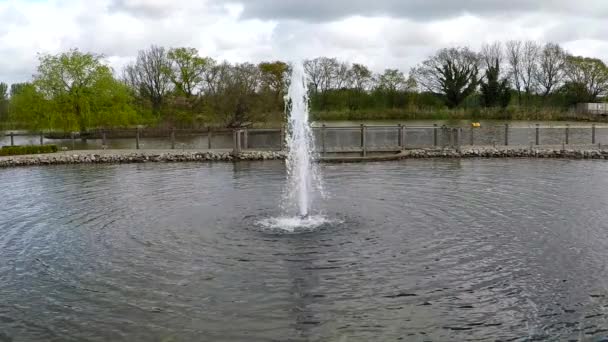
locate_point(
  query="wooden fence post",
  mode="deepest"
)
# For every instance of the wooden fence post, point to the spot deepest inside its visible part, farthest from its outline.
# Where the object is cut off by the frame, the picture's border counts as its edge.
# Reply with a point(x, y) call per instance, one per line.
point(472, 137)
point(173, 138)
point(137, 139)
point(323, 150)
point(593, 134)
point(537, 140)
point(245, 138)
point(209, 137)
point(363, 142)
point(400, 136)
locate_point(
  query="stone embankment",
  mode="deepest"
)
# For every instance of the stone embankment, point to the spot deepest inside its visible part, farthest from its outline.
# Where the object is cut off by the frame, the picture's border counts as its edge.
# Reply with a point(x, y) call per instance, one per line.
point(141, 156)
point(144, 156)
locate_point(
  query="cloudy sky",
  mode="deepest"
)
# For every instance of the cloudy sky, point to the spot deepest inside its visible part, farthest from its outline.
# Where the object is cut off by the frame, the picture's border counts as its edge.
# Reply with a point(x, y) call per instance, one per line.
point(379, 33)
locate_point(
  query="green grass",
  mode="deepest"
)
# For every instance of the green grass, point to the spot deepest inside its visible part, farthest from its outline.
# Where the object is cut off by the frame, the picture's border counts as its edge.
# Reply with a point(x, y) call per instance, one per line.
point(30, 149)
point(511, 113)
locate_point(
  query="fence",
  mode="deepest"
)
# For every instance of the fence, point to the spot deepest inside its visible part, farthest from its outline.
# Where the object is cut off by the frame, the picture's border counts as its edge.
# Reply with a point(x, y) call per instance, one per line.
point(360, 139)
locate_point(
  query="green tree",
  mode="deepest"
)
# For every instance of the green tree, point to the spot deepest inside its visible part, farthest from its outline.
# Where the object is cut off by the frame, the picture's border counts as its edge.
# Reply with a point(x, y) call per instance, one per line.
point(29, 108)
point(495, 92)
point(273, 78)
point(82, 91)
point(3, 102)
point(590, 73)
point(187, 70)
point(452, 73)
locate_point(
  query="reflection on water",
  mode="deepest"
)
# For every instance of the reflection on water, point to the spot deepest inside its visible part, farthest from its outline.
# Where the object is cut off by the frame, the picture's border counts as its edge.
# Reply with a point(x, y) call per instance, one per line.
point(417, 250)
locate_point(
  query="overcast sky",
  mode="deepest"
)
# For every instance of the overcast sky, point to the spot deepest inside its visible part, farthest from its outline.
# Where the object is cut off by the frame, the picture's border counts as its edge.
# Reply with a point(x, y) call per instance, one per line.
point(379, 33)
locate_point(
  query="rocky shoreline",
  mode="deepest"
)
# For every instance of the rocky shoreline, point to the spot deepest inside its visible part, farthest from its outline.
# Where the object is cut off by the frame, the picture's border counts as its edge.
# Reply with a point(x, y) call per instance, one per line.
point(142, 156)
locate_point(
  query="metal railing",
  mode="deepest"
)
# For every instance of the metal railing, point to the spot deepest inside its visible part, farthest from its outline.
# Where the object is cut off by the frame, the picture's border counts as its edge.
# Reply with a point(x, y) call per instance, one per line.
point(362, 139)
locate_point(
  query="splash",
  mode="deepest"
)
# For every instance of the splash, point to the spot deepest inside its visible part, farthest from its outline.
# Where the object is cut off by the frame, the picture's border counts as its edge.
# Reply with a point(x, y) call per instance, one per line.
point(295, 224)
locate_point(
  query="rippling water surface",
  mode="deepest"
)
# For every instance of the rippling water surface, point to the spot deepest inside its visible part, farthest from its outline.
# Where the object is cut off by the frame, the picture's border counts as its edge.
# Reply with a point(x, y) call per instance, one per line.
point(414, 250)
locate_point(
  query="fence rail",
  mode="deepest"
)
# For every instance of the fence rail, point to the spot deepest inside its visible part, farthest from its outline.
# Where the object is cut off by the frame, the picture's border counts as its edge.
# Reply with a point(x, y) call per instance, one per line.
point(361, 139)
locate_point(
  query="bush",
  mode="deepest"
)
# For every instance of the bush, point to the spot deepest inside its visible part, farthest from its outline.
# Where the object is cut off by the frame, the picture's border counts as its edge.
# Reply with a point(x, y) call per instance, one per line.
point(30, 149)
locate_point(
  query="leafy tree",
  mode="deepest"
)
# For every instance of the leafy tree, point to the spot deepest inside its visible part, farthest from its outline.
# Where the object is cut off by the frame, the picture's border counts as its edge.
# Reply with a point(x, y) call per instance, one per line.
point(451, 72)
point(3, 101)
point(590, 73)
point(29, 107)
point(494, 91)
point(187, 70)
point(81, 90)
point(274, 78)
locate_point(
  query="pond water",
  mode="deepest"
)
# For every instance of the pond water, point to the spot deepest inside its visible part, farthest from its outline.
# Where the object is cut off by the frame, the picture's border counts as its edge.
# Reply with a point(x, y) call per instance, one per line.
point(440, 250)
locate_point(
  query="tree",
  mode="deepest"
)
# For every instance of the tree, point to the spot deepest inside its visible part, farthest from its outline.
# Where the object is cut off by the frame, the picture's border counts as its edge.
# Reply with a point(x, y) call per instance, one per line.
point(77, 85)
point(494, 91)
point(361, 77)
point(187, 70)
point(150, 76)
point(529, 66)
point(273, 77)
point(491, 54)
point(342, 74)
point(29, 108)
point(314, 71)
point(514, 57)
point(3, 101)
point(17, 88)
point(590, 74)
point(550, 71)
point(451, 72)
point(322, 73)
point(392, 80)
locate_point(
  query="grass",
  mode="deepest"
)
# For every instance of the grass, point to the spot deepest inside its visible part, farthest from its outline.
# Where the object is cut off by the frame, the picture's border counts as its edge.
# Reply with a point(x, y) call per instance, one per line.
point(29, 149)
point(511, 113)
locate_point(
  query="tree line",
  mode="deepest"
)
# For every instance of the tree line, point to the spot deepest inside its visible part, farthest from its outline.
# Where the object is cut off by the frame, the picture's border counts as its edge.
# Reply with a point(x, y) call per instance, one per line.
point(178, 87)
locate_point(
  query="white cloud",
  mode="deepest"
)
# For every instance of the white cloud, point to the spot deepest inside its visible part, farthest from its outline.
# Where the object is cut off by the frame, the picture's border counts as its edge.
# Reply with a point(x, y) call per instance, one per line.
point(380, 33)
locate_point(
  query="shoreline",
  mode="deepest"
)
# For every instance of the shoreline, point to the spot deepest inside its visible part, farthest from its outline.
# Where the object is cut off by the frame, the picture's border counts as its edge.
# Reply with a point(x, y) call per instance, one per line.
point(169, 156)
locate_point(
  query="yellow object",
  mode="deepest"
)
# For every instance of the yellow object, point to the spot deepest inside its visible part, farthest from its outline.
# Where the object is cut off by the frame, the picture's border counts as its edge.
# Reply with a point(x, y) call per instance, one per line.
point(476, 124)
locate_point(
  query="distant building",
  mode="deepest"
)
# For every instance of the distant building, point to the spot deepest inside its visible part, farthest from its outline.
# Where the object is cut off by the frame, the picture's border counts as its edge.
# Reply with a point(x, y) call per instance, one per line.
point(592, 108)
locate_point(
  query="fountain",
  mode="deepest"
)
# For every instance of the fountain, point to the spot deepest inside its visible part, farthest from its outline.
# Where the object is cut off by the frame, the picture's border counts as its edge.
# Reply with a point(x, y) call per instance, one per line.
point(303, 181)
point(300, 169)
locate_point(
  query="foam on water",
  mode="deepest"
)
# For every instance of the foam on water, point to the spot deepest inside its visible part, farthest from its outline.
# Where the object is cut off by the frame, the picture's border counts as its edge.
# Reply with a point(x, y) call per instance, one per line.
point(295, 224)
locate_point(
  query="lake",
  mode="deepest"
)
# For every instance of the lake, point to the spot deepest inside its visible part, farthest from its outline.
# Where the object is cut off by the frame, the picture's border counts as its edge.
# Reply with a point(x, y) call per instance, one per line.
point(416, 250)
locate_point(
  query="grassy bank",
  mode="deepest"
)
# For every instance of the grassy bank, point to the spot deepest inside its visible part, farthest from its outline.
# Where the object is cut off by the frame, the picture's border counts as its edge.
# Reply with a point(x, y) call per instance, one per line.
point(511, 113)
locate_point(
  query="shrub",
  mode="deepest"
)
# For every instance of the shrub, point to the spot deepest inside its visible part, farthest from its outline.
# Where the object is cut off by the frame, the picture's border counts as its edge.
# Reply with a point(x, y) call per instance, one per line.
point(30, 149)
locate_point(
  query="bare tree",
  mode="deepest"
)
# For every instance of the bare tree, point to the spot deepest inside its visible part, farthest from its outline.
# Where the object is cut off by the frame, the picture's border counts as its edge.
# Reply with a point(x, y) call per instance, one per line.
point(529, 63)
point(361, 77)
point(514, 50)
point(314, 71)
point(491, 53)
point(150, 76)
point(342, 75)
point(550, 71)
